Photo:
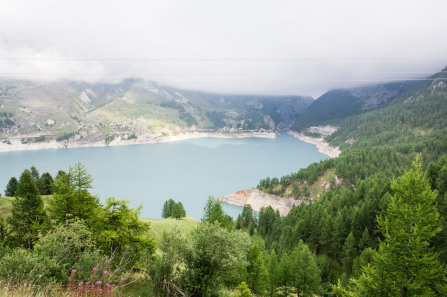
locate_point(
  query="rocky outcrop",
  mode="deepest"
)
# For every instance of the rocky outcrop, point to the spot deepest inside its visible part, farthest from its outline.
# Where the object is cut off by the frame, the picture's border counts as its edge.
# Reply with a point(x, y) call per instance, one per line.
point(258, 199)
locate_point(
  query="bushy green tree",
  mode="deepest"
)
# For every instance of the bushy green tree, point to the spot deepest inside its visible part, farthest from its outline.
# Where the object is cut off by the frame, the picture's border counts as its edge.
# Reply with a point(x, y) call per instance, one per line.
point(119, 230)
point(177, 212)
point(28, 216)
point(215, 255)
point(173, 209)
point(165, 269)
point(11, 187)
point(213, 212)
point(72, 198)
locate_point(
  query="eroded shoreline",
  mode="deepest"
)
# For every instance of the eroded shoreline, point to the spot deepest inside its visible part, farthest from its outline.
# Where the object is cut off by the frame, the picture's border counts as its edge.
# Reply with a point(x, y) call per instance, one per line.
point(16, 144)
point(322, 146)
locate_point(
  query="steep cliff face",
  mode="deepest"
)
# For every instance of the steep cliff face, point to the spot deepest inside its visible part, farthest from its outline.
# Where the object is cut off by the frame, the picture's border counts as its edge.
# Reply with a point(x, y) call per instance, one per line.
point(258, 199)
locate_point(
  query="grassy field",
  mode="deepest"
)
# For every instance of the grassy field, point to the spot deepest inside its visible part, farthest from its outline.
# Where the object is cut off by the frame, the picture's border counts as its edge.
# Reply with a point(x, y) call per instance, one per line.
point(158, 226)
point(5, 206)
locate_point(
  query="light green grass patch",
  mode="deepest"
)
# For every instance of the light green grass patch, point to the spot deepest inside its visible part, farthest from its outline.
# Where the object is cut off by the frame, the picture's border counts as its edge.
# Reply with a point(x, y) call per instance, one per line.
point(158, 226)
point(5, 206)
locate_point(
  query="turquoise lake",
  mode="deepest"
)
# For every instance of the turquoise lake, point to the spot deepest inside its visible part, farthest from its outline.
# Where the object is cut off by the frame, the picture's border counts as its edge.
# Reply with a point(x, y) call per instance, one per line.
point(188, 171)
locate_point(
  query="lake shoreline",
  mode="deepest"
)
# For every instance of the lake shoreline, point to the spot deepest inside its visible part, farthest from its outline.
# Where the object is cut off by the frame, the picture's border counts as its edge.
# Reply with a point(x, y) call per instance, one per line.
point(16, 144)
point(322, 146)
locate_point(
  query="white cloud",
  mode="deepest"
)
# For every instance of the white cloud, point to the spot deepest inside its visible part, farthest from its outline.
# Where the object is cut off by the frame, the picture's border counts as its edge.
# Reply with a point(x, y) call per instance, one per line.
point(269, 47)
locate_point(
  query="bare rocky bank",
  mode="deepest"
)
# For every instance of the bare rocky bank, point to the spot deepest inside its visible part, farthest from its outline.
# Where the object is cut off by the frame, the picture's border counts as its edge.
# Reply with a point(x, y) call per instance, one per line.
point(258, 199)
point(17, 145)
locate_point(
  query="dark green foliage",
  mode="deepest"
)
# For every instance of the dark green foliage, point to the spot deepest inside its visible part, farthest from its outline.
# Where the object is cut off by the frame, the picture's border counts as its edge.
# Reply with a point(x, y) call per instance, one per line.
point(45, 184)
point(182, 209)
point(11, 187)
point(65, 136)
point(405, 264)
point(28, 217)
point(173, 209)
point(285, 276)
point(35, 174)
point(330, 106)
point(177, 211)
point(306, 280)
point(247, 216)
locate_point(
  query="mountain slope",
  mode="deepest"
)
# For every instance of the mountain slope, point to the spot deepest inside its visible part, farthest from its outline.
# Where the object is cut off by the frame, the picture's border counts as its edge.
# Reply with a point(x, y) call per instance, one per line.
point(337, 104)
point(74, 111)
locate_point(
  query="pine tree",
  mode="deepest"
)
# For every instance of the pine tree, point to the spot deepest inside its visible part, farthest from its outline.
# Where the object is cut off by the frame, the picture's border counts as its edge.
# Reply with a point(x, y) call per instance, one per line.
point(349, 253)
point(257, 271)
point(364, 241)
point(182, 209)
point(286, 275)
point(166, 213)
point(86, 204)
point(28, 216)
point(176, 212)
point(411, 221)
point(306, 278)
point(62, 204)
point(35, 174)
point(273, 271)
point(45, 184)
point(405, 263)
point(11, 187)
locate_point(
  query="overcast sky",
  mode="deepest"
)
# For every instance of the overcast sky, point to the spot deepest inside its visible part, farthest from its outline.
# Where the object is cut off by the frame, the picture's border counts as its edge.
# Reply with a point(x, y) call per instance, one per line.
point(302, 47)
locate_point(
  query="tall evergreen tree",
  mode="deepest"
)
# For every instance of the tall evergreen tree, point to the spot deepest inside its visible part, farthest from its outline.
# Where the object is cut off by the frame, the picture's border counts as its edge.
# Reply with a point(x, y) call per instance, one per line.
point(176, 211)
point(28, 216)
point(45, 184)
point(35, 174)
point(257, 272)
point(286, 275)
point(11, 187)
point(213, 212)
point(86, 204)
point(61, 206)
point(273, 272)
point(306, 278)
point(405, 263)
point(182, 209)
point(165, 213)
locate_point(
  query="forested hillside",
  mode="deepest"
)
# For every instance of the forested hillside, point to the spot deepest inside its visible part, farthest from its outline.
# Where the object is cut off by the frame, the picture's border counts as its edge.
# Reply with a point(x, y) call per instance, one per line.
point(345, 226)
point(338, 104)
